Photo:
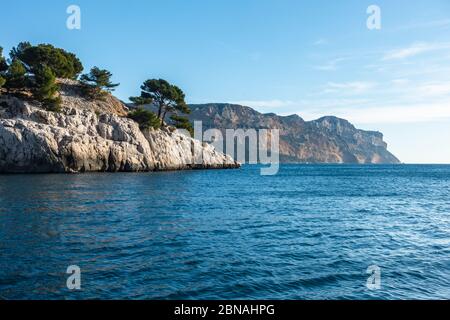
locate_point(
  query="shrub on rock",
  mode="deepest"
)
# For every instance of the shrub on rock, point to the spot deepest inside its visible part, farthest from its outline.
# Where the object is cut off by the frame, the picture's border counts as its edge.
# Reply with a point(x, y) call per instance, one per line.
point(182, 123)
point(146, 119)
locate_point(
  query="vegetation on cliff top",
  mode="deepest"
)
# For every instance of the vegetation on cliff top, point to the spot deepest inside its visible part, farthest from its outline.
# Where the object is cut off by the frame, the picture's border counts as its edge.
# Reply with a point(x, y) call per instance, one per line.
point(46, 89)
point(167, 98)
point(32, 71)
point(97, 83)
point(62, 63)
point(145, 118)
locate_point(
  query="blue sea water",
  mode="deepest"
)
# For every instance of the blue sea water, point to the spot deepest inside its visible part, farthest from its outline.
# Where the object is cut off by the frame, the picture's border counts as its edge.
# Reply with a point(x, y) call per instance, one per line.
point(309, 232)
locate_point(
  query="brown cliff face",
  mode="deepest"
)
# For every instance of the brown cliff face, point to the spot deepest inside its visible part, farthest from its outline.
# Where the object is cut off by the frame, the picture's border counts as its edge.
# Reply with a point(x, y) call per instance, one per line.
point(326, 140)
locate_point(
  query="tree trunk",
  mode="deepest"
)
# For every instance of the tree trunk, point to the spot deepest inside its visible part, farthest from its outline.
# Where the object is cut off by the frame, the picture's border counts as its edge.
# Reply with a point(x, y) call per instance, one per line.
point(163, 117)
point(159, 111)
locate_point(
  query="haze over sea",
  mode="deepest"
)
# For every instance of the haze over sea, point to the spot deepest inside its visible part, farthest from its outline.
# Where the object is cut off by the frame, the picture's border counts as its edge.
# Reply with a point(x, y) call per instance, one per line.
point(309, 232)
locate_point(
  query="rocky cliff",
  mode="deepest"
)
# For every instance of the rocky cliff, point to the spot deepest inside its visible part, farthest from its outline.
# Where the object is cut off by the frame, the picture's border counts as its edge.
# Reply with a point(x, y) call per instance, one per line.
point(326, 140)
point(91, 136)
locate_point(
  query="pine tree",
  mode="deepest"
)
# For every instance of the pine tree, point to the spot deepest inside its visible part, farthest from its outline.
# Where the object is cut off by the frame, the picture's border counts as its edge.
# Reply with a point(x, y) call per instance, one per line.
point(3, 64)
point(18, 52)
point(146, 119)
point(16, 76)
point(98, 82)
point(62, 63)
point(182, 123)
point(166, 97)
point(139, 101)
point(45, 88)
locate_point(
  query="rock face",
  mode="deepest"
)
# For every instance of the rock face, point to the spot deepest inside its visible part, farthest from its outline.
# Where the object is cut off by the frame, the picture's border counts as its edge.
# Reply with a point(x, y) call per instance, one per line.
point(326, 140)
point(92, 136)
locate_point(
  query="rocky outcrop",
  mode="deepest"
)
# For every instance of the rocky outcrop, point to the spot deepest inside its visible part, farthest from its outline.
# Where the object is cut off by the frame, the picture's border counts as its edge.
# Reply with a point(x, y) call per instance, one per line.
point(92, 136)
point(326, 140)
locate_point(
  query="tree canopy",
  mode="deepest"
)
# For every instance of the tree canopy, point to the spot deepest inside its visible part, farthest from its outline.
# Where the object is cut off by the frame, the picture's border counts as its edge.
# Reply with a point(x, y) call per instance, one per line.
point(35, 69)
point(182, 123)
point(3, 64)
point(166, 97)
point(16, 76)
point(45, 88)
point(98, 81)
point(146, 119)
point(62, 63)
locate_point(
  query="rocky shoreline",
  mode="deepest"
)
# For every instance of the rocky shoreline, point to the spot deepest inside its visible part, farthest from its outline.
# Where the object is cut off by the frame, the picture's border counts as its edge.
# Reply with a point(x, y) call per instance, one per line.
point(92, 136)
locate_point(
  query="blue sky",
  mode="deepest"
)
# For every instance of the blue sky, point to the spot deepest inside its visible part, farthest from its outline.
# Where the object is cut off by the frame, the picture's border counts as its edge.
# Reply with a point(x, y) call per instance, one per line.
point(313, 58)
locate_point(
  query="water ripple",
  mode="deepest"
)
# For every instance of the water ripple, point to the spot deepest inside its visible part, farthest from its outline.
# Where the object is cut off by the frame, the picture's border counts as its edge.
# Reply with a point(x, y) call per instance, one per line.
point(310, 232)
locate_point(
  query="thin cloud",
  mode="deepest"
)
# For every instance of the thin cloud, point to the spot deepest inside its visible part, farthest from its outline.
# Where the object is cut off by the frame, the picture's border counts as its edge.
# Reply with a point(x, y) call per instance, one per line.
point(400, 82)
point(331, 65)
point(320, 42)
point(400, 114)
point(435, 89)
point(414, 50)
point(355, 87)
point(442, 23)
point(385, 114)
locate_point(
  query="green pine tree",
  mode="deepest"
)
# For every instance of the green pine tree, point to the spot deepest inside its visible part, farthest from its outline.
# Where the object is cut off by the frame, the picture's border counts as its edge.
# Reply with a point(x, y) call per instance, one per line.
point(139, 101)
point(166, 97)
point(45, 88)
point(146, 119)
point(62, 63)
point(16, 77)
point(3, 64)
point(182, 123)
point(98, 82)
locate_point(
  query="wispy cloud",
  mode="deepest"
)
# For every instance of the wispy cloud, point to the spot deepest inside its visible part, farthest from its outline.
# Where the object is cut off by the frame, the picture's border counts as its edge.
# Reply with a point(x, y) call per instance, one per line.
point(320, 42)
point(382, 113)
point(331, 65)
point(413, 113)
point(355, 87)
point(441, 23)
point(414, 50)
point(400, 82)
point(435, 89)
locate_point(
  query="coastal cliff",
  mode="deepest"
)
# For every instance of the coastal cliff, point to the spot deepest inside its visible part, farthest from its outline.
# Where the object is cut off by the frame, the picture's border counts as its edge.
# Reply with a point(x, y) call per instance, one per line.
point(91, 136)
point(326, 140)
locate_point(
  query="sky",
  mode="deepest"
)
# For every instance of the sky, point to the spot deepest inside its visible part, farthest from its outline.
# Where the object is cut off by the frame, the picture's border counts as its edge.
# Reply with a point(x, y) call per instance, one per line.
point(307, 57)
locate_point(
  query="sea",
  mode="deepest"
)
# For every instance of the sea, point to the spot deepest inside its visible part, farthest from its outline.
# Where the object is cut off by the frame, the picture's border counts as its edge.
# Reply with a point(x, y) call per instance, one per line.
point(310, 232)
